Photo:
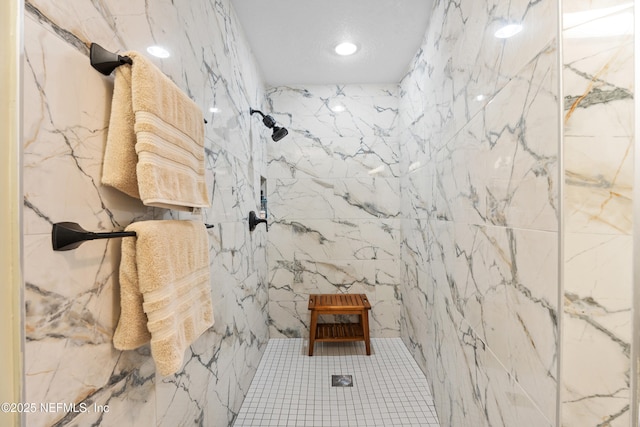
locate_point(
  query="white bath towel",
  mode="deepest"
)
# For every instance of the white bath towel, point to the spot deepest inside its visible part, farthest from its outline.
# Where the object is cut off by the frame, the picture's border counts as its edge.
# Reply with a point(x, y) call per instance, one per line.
point(165, 295)
point(155, 142)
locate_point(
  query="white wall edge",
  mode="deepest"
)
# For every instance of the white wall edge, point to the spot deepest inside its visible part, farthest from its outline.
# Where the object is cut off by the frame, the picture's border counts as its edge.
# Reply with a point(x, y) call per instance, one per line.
point(11, 320)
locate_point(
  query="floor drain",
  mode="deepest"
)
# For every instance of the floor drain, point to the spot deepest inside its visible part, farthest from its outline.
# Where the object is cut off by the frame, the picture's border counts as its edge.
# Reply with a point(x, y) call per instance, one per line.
point(341, 381)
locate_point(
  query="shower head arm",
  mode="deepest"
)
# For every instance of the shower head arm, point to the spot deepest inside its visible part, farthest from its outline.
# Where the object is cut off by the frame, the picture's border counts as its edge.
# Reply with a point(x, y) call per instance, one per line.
point(256, 111)
point(268, 121)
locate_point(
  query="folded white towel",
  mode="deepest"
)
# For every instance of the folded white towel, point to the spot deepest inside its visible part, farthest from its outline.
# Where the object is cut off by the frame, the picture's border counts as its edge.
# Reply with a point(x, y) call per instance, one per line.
point(155, 142)
point(165, 295)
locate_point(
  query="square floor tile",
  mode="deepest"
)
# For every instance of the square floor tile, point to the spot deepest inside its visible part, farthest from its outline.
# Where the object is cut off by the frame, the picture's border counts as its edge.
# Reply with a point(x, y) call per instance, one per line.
point(290, 387)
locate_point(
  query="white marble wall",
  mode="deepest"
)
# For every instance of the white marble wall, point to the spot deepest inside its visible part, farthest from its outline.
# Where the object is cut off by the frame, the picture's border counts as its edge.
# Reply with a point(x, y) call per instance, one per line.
point(598, 57)
point(479, 199)
point(334, 203)
point(72, 297)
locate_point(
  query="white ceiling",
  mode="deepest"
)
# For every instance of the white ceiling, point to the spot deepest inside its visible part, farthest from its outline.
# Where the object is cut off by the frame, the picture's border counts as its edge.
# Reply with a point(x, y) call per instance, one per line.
point(293, 40)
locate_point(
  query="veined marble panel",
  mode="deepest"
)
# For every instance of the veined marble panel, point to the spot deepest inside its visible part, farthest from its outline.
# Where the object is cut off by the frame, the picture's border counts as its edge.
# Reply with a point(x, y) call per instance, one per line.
point(479, 204)
point(470, 385)
point(323, 239)
point(599, 131)
point(597, 329)
point(467, 65)
point(500, 281)
point(598, 78)
point(310, 111)
point(416, 182)
point(69, 358)
point(347, 157)
point(597, 267)
point(330, 198)
point(599, 187)
point(72, 297)
point(333, 197)
point(64, 134)
point(501, 167)
point(70, 312)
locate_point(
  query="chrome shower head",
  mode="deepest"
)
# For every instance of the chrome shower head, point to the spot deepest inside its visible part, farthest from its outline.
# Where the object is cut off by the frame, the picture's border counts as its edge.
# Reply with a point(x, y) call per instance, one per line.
point(270, 122)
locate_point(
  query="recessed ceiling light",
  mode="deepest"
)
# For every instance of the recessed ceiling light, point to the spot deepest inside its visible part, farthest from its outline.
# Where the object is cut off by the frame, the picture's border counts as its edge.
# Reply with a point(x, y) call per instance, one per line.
point(338, 108)
point(158, 51)
point(508, 31)
point(346, 48)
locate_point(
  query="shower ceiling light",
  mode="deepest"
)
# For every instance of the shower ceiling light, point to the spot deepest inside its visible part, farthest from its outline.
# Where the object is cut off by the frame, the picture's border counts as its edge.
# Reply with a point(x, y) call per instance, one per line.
point(346, 48)
point(158, 51)
point(507, 31)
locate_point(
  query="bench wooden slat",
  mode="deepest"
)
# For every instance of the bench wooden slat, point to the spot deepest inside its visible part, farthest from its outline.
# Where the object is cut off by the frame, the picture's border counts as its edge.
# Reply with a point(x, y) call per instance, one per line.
point(347, 304)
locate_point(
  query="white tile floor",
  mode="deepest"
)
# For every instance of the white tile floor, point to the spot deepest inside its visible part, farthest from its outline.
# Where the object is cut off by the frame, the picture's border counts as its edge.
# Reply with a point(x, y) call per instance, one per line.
point(292, 389)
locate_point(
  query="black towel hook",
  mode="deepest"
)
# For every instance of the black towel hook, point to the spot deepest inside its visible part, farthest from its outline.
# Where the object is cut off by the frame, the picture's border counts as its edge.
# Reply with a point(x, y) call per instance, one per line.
point(69, 235)
point(105, 61)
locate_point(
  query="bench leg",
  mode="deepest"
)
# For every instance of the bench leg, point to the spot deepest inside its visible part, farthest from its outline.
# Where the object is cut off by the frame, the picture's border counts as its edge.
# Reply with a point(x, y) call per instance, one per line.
point(365, 328)
point(312, 331)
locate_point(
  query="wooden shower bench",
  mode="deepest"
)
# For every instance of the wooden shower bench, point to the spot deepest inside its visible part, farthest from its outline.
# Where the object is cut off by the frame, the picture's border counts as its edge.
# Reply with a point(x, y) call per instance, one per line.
point(336, 332)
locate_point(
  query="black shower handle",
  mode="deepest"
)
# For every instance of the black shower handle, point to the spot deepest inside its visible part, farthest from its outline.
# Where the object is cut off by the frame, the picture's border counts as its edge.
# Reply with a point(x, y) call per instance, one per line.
point(254, 221)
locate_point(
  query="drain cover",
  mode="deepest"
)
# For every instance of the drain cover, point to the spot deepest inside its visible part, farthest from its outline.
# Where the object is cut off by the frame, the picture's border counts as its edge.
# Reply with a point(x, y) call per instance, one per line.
point(341, 381)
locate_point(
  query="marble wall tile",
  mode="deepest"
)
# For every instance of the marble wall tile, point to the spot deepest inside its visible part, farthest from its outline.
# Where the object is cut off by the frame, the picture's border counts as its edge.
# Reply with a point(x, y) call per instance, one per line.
point(367, 110)
point(492, 161)
point(333, 198)
point(597, 329)
point(470, 385)
point(492, 277)
point(324, 239)
point(470, 65)
point(598, 75)
point(479, 207)
point(488, 171)
point(71, 298)
point(361, 198)
point(599, 133)
point(355, 157)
